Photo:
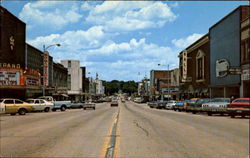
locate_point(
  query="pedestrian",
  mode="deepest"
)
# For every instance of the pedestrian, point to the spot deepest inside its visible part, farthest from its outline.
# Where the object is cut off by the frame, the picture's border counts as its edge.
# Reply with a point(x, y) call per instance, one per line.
point(232, 98)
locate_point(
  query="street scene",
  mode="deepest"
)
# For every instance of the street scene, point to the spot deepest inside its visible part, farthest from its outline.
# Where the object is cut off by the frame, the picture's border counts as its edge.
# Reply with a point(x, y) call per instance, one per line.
point(129, 79)
point(141, 132)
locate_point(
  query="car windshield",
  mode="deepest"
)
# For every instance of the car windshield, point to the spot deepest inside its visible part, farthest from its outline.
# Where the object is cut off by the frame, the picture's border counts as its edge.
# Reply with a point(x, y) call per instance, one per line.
point(1, 100)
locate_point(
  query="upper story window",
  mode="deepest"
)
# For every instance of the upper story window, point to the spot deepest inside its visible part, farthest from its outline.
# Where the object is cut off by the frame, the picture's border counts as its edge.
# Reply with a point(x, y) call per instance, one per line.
point(245, 51)
point(200, 65)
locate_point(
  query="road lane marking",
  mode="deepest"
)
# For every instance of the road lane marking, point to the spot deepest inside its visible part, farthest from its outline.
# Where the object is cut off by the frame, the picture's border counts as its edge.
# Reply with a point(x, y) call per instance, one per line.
point(109, 149)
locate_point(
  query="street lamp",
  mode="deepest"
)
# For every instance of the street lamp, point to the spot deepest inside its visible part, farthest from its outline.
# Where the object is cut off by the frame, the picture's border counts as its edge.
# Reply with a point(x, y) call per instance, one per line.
point(46, 59)
point(168, 78)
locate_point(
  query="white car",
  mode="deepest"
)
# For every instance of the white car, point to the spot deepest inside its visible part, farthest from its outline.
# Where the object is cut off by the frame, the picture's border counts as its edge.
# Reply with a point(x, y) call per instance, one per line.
point(216, 106)
point(170, 104)
point(40, 105)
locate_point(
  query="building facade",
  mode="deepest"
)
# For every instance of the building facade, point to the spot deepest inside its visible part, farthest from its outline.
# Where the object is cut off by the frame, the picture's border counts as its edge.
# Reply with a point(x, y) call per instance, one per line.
point(245, 53)
point(60, 77)
point(194, 69)
point(74, 79)
point(225, 57)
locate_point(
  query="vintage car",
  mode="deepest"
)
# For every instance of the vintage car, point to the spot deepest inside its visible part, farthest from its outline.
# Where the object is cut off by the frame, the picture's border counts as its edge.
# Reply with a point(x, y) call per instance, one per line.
point(170, 104)
point(75, 105)
point(62, 105)
point(239, 107)
point(14, 106)
point(216, 106)
point(40, 105)
point(89, 105)
point(197, 105)
point(114, 103)
point(161, 104)
point(191, 101)
point(179, 105)
point(153, 104)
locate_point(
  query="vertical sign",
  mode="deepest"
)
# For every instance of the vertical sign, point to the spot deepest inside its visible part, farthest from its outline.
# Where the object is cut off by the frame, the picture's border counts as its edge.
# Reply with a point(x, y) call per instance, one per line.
point(46, 69)
point(184, 63)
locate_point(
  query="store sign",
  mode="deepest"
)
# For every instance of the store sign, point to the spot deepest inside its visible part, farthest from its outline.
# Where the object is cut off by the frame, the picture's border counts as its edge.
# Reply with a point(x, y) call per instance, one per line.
point(30, 81)
point(9, 78)
point(245, 76)
point(46, 69)
point(32, 77)
point(170, 90)
point(10, 66)
point(184, 67)
point(222, 67)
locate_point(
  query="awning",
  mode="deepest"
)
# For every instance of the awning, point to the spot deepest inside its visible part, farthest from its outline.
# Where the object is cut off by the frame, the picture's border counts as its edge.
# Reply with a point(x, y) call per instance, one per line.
point(65, 95)
point(204, 90)
point(197, 91)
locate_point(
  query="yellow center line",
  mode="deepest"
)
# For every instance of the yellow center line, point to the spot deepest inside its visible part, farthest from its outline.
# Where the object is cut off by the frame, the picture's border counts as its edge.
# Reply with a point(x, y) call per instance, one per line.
point(108, 137)
point(118, 140)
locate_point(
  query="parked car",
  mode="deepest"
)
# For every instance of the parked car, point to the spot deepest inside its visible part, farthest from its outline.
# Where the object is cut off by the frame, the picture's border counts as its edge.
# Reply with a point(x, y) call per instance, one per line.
point(14, 106)
point(239, 107)
point(161, 104)
point(138, 100)
point(179, 106)
point(62, 105)
point(191, 101)
point(197, 105)
point(153, 104)
point(40, 105)
point(114, 103)
point(170, 104)
point(76, 105)
point(89, 105)
point(216, 106)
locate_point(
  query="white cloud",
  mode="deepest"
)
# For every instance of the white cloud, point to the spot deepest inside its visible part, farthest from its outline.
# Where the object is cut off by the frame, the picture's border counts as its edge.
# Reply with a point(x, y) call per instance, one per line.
point(73, 40)
point(129, 16)
point(44, 14)
point(185, 42)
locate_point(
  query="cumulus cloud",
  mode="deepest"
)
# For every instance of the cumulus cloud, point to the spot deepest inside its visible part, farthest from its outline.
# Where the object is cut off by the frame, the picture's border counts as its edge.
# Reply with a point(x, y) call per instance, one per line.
point(186, 41)
point(73, 41)
point(130, 16)
point(43, 13)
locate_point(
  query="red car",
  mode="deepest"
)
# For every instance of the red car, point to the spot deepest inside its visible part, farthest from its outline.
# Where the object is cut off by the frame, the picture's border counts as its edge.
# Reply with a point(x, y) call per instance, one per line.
point(240, 107)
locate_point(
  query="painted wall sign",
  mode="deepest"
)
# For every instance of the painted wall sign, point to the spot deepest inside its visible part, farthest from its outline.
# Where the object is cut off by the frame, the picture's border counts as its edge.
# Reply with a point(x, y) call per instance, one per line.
point(245, 76)
point(222, 67)
point(12, 42)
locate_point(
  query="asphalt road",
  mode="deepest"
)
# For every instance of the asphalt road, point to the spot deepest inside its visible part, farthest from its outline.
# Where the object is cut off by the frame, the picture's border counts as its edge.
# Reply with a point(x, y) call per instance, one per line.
point(140, 132)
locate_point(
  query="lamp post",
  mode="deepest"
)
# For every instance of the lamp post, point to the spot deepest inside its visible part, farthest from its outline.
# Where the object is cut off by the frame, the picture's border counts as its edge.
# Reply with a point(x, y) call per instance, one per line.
point(46, 63)
point(168, 79)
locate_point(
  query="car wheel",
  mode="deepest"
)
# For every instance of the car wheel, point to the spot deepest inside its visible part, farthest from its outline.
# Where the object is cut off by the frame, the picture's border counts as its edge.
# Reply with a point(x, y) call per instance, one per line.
point(46, 109)
point(22, 111)
point(84, 108)
point(193, 112)
point(209, 113)
point(232, 116)
point(54, 110)
point(243, 116)
point(94, 108)
point(13, 114)
point(63, 108)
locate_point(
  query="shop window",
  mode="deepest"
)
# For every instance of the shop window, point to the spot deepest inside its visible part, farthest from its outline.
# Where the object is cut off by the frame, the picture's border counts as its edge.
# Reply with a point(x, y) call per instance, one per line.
point(200, 59)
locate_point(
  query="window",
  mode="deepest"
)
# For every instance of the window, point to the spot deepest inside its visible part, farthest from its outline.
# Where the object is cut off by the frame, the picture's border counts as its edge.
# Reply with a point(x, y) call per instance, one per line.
point(69, 63)
point(9, 101)
point(42, 102)
point(37, 102)
point(200, 60)
point(18, 102)
point(245, 57)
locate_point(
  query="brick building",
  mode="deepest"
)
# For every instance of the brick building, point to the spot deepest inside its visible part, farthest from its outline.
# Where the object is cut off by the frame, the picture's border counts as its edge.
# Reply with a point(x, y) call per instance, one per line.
point(194, 69)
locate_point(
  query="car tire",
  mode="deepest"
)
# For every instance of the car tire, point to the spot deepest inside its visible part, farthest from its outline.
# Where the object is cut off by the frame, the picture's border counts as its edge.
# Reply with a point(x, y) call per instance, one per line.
point(84, 108)
point(21, 111)
point(46, 109)
point(193, 112)
point(12, 114)
point(94, 108)
point(209, 113)
point(232, 116)
point(53, 110)
point(63, 108)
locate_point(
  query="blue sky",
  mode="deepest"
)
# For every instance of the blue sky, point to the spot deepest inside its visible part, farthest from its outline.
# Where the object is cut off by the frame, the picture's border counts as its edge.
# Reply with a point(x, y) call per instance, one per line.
point(117, 39)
